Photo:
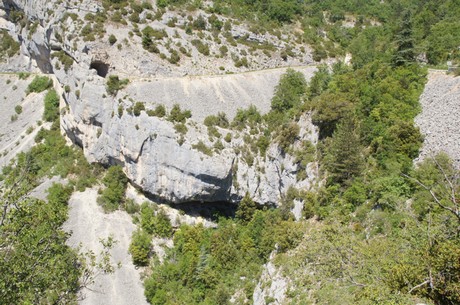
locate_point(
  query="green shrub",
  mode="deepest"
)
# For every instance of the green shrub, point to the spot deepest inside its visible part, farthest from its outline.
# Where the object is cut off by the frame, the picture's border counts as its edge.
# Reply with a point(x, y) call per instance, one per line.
point(200, 23)
point(160, 111)
point(23, 75)
point(179, 116)
point(112, 39)
point(140, 247)
point(18, 109)
point(181, 128)
point(289, 92)
point(201, 47)
point(113, 195)
point(215, 22)
point(138, 107)
point(223, 50)
point(156, 34)
point(174, 58)
point(213, 132)
point(39, 84)
point(146, 5)
point(114, 84)
point(130, 206)
point(8, 46)
point(51, 112)
point(88, 33)
point(244, 117)
point(201, 147)
point(134, 18)
point(120, 111)
point(64, 58)
point(288, 135)
point(246, 209)
point(242, 62)
point(218, 146)
point(228, 137)
point(163, 227)
point(158, 224)
point(217, 120)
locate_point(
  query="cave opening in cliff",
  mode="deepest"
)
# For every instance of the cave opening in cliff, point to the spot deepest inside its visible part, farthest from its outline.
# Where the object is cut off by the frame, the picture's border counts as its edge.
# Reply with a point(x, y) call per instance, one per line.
point(101, 67)
point(208, 210)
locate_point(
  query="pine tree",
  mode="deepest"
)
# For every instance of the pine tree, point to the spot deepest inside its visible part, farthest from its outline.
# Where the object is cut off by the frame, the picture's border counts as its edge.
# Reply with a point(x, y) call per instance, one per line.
point(344, 158)
point(405, 52)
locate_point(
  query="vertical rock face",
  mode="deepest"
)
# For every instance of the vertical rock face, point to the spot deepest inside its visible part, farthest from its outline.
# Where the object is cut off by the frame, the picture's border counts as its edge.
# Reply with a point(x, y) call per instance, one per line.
point(163, 162)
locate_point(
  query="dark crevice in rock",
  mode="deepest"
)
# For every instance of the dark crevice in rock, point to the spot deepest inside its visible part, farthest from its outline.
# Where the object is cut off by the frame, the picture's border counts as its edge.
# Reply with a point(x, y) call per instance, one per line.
point(74, 136)
point(102, 68)
point(208, 210)
point(95, 122)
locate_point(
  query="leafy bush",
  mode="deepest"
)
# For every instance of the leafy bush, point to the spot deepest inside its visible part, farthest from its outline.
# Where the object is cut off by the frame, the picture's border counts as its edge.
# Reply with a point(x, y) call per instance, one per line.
point(217, 120)
point(130, 206)
point(64, 58)
point(160, 111)
point(246, 209)
point(112, 39)
point(179, 116)
point(8, 46)
point(246, 117)
point(138, 107)
point(158, 224)
point(113, 195)
point(289, 92)
point(51, 112)
point(288, 135)
point(163, 227)
point(181, 128)
point(18, 109)
point(200, 23)
point(201, 147)
point(156, 34)
point(114, 84)
point(242, 62)
point(203, 48)
point(39, 84)
point(140, 247)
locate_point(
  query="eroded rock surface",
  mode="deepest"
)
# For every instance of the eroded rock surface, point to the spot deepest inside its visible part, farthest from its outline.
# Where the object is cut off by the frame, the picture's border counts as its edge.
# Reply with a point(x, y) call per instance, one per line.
point(89, 224)
point(166, 164)
point(20, 116)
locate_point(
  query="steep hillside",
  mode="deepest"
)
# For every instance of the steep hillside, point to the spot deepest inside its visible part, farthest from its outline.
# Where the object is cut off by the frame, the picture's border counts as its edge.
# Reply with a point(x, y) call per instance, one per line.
point(20, 116)
point(229, 152)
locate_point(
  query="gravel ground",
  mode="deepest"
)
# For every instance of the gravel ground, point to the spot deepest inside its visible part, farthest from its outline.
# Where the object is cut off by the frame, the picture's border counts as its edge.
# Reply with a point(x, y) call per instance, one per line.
point(439, 121)
point(205, 95)
point(88, 224)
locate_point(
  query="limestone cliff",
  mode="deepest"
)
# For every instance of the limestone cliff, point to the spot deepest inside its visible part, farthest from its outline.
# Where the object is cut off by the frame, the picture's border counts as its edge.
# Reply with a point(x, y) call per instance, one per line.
point(163, 162)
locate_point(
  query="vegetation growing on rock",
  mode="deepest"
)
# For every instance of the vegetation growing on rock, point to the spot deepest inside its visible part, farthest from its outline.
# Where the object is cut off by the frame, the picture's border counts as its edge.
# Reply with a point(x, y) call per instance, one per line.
point(377, 229)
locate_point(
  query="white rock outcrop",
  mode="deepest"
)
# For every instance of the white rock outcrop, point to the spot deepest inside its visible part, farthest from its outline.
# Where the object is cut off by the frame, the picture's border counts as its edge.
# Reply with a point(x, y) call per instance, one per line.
point(155, 157)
